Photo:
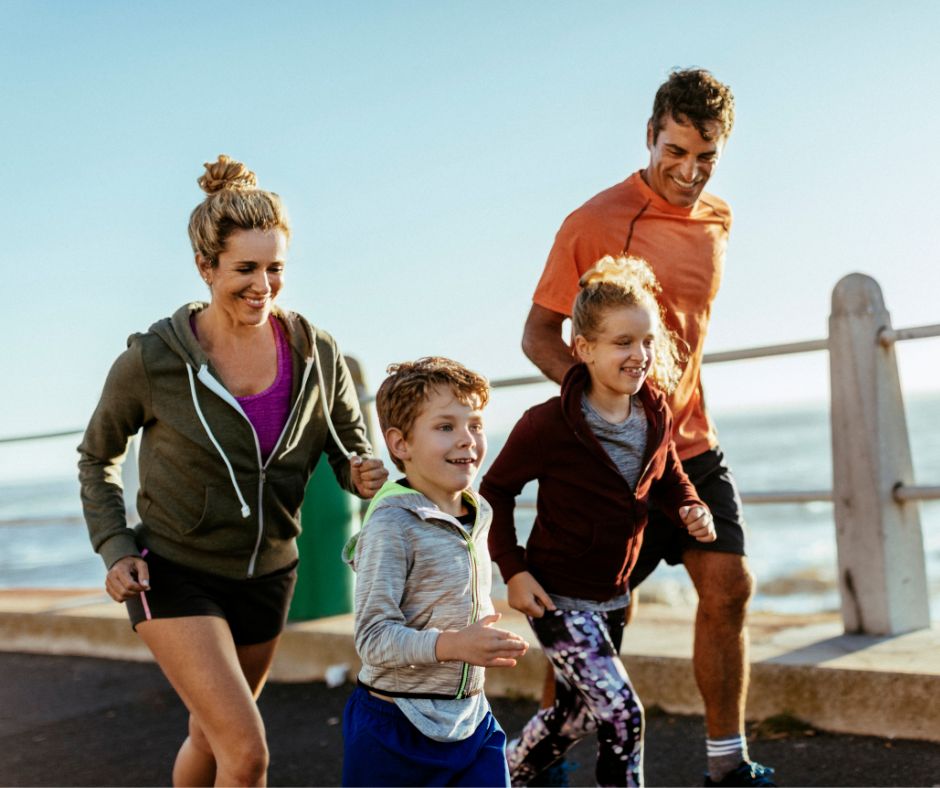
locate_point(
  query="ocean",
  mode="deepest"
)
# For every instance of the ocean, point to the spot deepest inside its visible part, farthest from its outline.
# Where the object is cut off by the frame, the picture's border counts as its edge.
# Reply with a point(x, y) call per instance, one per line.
point(791, 547)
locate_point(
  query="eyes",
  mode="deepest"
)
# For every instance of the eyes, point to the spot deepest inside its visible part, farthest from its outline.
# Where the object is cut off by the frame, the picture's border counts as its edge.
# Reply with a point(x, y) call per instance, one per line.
point(275, 269)
point(475, 427)
point(647, 342)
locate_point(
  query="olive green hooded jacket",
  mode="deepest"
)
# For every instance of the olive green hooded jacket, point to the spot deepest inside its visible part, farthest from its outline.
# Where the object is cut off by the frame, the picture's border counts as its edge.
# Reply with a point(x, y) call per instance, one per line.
point(206, 499)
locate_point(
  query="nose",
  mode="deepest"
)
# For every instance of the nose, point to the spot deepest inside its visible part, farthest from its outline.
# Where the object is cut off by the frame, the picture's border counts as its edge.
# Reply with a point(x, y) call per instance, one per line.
point(262, 281)
point(689, 169)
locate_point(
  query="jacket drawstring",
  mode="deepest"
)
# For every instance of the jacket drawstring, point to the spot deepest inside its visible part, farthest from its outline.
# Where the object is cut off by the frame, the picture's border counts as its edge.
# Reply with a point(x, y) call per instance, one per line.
point(326, 405)
point(192, 388)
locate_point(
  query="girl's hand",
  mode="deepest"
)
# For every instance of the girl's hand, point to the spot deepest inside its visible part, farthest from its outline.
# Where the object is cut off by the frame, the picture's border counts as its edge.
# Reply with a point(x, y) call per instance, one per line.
point(527, 596)
point(481, 644)
point(368, 475)
point(127, 577)
point(698, 522)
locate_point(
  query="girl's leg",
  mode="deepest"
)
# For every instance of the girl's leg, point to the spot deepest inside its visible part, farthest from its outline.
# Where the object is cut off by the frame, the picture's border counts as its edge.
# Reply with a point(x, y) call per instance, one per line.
point(596, 692)
point(218, 682)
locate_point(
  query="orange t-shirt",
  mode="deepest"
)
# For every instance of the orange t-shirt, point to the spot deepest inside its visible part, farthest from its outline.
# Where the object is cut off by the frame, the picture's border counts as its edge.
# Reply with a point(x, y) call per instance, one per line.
point(685, 247)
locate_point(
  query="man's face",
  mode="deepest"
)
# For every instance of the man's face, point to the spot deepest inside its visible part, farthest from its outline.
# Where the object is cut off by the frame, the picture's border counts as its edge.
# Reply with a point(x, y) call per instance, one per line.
point(681, 160)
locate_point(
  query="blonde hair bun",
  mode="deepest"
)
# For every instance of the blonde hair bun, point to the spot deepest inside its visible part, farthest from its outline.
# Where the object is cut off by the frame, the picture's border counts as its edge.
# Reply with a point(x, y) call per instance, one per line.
point(627, 271)
point(226, 173)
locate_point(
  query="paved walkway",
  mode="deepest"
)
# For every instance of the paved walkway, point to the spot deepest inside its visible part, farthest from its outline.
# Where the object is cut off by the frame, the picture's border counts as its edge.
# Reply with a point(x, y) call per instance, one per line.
point(76, 721)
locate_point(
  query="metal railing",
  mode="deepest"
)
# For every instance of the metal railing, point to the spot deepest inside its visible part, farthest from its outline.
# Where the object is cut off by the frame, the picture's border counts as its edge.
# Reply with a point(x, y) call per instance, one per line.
point(871, 493)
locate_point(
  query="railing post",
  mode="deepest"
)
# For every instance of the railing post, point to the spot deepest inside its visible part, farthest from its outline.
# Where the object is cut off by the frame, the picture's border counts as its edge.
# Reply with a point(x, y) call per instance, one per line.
point(882, 572)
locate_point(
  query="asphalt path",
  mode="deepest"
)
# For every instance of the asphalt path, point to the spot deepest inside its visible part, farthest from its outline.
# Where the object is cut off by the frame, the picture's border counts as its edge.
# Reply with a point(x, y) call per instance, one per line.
point(70, 721)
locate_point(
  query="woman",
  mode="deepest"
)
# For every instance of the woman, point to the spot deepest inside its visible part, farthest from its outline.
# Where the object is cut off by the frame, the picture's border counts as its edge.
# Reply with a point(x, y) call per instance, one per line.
point(237, 400)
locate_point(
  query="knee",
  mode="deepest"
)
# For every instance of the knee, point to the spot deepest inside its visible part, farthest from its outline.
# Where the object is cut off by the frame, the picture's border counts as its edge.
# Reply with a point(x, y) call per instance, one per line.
point(728, 597)
point(249, 763)
point(197, 737)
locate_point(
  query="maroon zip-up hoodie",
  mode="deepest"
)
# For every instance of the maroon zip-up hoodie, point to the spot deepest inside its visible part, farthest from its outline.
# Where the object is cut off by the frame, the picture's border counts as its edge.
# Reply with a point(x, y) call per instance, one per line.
point(589, 522)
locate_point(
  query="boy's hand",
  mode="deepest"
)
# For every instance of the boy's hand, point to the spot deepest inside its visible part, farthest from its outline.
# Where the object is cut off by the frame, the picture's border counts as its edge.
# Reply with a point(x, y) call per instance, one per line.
point(698, 522)
point(527, 596)
point(368, 475)
point(481, 644)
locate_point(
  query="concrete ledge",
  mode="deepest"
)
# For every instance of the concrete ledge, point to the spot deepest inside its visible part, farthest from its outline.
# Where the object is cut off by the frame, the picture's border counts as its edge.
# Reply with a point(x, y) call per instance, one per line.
point(802, 666)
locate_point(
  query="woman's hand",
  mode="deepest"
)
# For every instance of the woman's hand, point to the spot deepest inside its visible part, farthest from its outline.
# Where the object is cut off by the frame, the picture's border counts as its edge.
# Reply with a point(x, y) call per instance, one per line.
point(527, 595)
point(368, 475)
point(698, 522)
point(127, 577)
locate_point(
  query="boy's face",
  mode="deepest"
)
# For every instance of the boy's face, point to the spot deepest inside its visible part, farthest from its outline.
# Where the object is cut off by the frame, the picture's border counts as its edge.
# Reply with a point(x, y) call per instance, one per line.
point(445, 447)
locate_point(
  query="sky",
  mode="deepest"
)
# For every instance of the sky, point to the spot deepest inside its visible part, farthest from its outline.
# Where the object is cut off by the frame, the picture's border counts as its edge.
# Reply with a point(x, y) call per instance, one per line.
point(427, 153)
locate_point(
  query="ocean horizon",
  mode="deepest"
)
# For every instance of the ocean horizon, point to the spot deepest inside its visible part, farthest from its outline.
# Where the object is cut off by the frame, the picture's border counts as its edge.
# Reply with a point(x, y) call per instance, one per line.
point(791, 547)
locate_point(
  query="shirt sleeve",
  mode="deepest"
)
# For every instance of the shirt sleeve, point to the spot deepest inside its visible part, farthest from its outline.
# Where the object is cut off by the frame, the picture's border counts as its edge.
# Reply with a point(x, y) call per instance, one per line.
point(121, 412)
point(574, 252)
point(383, 639)
point(519, 462)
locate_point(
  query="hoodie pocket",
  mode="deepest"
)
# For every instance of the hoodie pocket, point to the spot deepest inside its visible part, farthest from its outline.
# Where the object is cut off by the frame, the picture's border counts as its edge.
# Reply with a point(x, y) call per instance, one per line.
point(283, 496)
point(221, 526)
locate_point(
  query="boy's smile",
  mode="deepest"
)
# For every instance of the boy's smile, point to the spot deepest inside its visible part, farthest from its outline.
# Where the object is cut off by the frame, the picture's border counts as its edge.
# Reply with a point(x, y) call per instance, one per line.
point(443, 450)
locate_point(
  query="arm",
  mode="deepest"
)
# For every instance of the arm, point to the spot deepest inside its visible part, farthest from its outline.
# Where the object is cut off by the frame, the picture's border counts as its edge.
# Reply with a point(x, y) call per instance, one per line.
point(678, 497)
point(543, 344)
point(360, 475)
point(121, 411)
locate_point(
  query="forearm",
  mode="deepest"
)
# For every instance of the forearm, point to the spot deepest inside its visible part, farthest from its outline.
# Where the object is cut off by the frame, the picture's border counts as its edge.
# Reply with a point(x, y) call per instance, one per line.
point(543, 346)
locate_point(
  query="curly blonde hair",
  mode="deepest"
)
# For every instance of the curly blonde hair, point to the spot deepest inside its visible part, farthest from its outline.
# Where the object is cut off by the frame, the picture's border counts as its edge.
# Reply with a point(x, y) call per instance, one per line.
point(234, 202)
point(627, 281)
point(410, 384)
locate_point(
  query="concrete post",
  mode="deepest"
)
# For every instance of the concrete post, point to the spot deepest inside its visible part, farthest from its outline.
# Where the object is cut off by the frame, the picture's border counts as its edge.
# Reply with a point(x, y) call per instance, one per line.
point(882, 572)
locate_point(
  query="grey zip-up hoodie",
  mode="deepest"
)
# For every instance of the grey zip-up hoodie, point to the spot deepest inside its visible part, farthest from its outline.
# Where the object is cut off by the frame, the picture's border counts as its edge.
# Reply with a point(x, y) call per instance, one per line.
point(419, 572)
point(207, 500)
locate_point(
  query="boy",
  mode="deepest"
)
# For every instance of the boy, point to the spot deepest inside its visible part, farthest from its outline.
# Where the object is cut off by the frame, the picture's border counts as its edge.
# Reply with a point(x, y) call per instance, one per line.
point(424, 618)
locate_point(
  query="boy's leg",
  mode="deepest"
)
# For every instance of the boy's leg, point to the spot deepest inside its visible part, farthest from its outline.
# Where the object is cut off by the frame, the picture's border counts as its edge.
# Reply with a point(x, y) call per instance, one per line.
point(488, 767)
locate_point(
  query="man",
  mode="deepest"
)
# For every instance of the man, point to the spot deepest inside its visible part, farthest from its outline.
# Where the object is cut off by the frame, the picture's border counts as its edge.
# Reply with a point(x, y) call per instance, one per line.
point(663, 214)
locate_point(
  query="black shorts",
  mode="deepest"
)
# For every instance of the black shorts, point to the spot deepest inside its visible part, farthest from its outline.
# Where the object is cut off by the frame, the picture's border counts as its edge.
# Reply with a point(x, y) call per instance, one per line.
point(255, 608)
point(663, 541)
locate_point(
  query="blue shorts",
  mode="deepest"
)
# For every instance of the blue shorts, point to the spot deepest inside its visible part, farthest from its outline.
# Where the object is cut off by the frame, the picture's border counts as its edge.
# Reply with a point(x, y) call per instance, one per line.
point(382, 747)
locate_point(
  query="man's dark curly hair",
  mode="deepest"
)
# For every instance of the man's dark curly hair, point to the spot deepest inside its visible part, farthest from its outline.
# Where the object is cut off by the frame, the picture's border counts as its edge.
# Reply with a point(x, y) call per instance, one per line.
point(693, 95)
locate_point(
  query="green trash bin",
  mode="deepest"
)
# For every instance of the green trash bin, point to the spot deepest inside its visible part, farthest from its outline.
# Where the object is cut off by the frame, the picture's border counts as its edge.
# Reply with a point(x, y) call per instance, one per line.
point(328, 517)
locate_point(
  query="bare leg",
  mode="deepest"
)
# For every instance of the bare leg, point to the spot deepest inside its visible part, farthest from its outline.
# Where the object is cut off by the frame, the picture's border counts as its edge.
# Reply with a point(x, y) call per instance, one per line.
point(218, 683)
point(724, 584)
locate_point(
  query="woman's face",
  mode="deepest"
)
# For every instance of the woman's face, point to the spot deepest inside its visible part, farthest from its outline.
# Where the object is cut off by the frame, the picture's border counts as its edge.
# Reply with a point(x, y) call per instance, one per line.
point(249, 275)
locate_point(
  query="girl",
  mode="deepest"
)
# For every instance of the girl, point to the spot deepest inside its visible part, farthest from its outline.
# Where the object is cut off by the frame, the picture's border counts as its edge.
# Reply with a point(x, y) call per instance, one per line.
point(600, 452)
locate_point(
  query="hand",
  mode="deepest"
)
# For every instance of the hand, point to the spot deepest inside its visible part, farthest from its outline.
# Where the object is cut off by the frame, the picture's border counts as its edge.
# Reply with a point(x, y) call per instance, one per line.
point(527, 596)
point(368, 475)
point(481, 644)
point(127, 577)
point(698, 522)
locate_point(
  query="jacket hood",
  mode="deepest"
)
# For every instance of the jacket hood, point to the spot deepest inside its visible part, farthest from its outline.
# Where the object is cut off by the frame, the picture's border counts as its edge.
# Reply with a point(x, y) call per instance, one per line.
point(398, 496)
point(576, 382)
point(178, 335)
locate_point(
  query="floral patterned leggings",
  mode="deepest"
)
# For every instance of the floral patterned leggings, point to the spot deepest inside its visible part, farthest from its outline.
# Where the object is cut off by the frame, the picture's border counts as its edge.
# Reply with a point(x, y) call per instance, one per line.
point(592, 693)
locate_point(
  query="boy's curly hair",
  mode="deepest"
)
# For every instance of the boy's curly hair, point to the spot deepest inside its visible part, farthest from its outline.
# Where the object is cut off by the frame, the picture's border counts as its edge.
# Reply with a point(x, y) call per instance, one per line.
point(410, 384)
point(693, 95)
point(627, 281)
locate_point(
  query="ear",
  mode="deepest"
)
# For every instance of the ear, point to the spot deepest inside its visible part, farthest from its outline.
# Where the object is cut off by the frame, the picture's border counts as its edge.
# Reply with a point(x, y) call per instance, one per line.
point(583, 348)
point(649, 134)
point(397, 445)
point(204, 267)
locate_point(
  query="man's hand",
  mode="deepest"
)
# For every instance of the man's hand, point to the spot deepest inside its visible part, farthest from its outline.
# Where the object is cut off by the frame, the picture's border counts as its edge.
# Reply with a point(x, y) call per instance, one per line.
point(368, 475)
point(481, 644)
point(527, 596)
point(698, 522)
point(127, 577)
point(544, 344)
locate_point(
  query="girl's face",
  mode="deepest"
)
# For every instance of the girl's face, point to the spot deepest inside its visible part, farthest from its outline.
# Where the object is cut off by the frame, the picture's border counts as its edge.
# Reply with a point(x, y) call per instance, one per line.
point(621, 355)
point(248, 275)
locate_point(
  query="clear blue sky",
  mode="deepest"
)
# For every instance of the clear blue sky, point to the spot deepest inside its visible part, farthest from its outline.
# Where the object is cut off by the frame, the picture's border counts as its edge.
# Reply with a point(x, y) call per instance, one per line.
point(427, 153)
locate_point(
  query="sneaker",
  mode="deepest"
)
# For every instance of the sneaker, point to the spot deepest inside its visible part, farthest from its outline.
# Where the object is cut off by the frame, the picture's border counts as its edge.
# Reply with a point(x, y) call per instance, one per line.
point(747, 773)
point(555, 775)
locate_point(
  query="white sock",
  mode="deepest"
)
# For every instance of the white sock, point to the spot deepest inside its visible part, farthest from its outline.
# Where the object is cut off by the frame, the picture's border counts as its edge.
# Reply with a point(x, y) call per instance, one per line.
point(724, 754)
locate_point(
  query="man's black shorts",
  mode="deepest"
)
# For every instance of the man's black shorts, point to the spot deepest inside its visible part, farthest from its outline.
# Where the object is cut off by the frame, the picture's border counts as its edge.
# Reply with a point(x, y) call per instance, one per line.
point(664, 541)
point(255, 608)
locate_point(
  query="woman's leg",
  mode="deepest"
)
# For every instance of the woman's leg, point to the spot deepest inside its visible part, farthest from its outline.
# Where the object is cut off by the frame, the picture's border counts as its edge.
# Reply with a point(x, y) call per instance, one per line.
point(219, 683)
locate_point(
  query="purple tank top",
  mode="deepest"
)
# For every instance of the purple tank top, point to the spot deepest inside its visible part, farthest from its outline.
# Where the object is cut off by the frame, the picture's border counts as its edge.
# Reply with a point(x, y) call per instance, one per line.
point(268, 410)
